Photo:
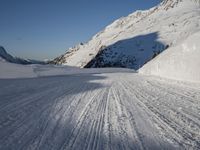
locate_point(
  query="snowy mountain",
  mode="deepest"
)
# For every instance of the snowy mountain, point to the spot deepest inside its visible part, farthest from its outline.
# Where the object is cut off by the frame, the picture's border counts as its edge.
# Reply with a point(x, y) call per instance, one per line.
point(4, 56)
point(134, 40)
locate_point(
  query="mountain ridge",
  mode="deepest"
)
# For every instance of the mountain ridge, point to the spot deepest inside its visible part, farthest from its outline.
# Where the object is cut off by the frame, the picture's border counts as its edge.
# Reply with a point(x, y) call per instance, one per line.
point(171, 20)
point(4, 56)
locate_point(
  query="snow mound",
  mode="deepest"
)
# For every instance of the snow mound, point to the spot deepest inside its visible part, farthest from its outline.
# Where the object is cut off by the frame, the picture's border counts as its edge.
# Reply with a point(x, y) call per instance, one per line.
point(181, 62)
point(134, 40)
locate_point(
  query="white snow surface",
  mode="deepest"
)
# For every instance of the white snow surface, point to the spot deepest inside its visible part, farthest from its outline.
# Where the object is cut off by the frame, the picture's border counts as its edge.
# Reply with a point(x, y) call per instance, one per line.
point(12, 70)
point(181, 62)
point(99, 111)
point(132, 41)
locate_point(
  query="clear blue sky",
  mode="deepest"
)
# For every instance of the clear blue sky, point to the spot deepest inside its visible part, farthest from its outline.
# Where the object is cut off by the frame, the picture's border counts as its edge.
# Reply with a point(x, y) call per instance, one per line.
point(43, 29)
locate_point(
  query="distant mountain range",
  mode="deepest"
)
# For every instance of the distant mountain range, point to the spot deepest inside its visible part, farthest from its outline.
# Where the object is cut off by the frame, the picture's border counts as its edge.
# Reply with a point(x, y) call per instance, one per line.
point(136, 39)
point(4, 56)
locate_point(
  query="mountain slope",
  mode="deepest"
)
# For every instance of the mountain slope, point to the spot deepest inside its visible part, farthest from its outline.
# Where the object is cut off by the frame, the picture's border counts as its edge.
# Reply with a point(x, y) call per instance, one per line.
point(134, 40)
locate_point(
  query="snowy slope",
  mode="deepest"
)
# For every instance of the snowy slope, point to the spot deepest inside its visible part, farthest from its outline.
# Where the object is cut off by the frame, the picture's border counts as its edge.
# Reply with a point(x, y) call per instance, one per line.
point(134, 40)
point(181, 62)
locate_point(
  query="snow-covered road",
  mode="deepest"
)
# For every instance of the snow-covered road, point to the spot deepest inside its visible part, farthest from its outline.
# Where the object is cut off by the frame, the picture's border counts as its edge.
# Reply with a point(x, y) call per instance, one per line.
point(99, 111)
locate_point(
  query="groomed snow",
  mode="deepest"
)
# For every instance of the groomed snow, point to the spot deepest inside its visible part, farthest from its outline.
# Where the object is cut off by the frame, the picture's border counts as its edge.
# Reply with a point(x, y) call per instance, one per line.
point(119, 111)
point(181, 62)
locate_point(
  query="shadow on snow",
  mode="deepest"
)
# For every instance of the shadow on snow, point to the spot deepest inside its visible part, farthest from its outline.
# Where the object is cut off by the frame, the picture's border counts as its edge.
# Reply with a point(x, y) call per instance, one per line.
point(129, 53)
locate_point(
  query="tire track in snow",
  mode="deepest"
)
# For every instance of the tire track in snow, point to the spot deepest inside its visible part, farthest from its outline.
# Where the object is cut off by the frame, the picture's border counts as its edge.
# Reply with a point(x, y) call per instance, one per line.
point(128, 111)
point(81, 119)
point(23, 127)
point(187, 139)
point(156, 117)
point(127, 123)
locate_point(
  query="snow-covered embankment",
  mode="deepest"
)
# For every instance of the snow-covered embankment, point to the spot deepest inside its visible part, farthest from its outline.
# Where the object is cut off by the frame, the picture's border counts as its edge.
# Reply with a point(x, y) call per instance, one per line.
point(181, 62)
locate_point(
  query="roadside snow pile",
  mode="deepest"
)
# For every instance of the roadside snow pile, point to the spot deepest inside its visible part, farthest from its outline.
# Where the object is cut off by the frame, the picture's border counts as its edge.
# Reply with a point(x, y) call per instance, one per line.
point(181, 62)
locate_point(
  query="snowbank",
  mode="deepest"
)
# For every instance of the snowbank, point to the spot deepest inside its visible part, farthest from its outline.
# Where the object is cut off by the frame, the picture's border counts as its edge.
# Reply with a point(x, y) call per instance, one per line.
point(181, 62)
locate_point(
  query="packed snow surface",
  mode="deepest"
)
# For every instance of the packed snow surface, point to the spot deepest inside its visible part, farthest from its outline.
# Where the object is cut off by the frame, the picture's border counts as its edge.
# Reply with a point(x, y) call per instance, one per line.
point(97, 110)
point(181, 62)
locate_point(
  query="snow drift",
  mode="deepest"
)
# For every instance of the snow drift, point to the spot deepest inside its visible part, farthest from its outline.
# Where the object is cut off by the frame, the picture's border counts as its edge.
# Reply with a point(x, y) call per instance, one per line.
point(181, 62)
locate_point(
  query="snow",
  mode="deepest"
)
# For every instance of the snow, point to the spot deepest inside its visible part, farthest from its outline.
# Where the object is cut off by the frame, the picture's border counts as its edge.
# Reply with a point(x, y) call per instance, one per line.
point(49, 107)
point(100, 111)
point(11, 70)
point(133, 40)
point(180, 62)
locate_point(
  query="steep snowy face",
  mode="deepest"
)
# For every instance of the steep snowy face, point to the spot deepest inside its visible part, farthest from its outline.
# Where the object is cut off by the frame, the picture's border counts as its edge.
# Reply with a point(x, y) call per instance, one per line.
point(134, 40)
